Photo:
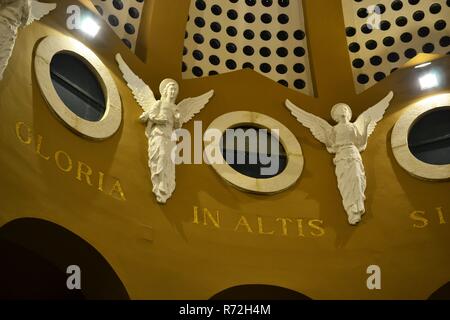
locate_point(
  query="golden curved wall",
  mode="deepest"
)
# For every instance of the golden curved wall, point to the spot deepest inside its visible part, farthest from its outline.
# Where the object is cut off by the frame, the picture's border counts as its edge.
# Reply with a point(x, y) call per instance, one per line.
point(298, 239)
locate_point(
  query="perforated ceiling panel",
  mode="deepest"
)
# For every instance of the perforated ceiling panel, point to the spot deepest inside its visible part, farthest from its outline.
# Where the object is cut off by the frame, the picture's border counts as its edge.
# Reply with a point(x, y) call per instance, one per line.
point(265, 35)
point(402, 29)
point(124, 17)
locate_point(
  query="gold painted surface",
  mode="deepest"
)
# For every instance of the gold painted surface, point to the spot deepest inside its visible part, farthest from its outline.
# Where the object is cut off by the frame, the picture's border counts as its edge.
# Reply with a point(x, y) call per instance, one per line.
point(188, 260)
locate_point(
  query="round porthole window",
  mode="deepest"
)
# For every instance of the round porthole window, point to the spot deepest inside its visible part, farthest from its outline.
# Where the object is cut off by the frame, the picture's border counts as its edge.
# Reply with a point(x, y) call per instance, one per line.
point(252, 151)
point(429, 138)
point(260, 154)
point(421, 138)
point(78, 87)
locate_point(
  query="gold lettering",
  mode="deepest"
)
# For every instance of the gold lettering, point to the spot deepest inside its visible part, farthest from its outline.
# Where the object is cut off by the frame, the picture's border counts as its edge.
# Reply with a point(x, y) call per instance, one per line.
point(206, 213)
point(284, 222)
point(101, 177)
point(68, 167)
point(261, 228)
point(441, 215)
point(243, 222)
point(415, 215)
point(316, 227)
point(117, 188)
point(19, 126)
point(300, 227)
point(65, 163)
point(196, 215)
point(85, 170)
point(39, 148)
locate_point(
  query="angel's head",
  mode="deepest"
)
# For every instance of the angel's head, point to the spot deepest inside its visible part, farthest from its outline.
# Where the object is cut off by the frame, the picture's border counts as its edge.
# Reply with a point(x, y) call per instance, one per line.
point(341, 112)
point(169, 89)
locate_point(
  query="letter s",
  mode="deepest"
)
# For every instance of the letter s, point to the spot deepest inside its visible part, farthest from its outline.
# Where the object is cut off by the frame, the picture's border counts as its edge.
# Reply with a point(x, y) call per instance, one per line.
point(415, 215)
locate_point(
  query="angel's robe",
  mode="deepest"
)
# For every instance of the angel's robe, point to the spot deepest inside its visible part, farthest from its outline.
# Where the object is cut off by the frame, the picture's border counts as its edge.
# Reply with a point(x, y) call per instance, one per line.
point(159, 133)
point(349, 169)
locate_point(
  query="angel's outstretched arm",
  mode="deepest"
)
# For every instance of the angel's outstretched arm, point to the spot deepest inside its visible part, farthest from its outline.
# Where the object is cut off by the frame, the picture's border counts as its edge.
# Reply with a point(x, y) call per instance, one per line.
point(144, 117)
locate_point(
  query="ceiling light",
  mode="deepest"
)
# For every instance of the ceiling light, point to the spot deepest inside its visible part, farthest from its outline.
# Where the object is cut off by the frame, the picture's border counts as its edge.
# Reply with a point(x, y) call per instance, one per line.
point(422, 65)
point(90, 27)
point(428, 81)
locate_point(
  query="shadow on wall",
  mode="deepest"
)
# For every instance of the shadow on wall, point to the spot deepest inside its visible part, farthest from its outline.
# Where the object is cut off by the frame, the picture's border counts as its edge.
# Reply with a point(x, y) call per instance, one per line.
point(259, 292)
point(35, 255)
point(443, 293)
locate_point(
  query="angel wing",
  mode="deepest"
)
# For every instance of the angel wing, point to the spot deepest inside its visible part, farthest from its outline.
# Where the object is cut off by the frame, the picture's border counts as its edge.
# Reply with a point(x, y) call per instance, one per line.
point(39, 10)
point(189, 107)
point(141, 91)
point(373, 114)
point(320, 129)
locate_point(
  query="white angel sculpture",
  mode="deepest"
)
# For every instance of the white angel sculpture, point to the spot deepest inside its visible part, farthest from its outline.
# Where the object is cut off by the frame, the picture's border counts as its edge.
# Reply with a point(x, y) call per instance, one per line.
point(162, 117)
point(346, 140)
point(15, 14)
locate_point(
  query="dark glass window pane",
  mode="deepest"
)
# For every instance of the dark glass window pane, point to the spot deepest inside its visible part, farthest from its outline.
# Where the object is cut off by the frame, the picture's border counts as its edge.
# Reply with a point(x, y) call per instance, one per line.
point(255, 159)
point(77, 86)
point(429, 138)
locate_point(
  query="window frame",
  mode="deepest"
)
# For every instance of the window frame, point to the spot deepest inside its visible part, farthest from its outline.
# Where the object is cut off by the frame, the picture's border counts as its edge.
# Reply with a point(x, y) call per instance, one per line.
point(109, 124)
point(276, 184)
point(400, 145)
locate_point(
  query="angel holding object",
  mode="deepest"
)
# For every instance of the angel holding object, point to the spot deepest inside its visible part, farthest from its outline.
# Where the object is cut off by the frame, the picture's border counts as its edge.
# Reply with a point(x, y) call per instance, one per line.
point(346, 140)
point(162, 117)
point(13, 15)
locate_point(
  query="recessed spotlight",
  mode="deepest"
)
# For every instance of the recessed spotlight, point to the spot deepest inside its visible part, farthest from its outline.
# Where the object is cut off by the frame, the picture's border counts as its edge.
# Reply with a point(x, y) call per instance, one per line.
point(90, 27)
point(428, 81)
point(422, 65)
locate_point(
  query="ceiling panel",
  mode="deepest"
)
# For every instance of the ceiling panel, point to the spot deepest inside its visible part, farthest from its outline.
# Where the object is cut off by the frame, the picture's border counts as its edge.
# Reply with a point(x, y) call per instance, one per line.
point(124, 17)
point(383, 35)
point(265, 35)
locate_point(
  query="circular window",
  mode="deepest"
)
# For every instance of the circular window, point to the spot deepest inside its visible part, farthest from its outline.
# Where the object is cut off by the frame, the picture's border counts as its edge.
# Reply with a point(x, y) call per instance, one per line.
point(253, 152)
point(421, 138)
point(78, 87)
point(429, 138)
point(260, 154)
